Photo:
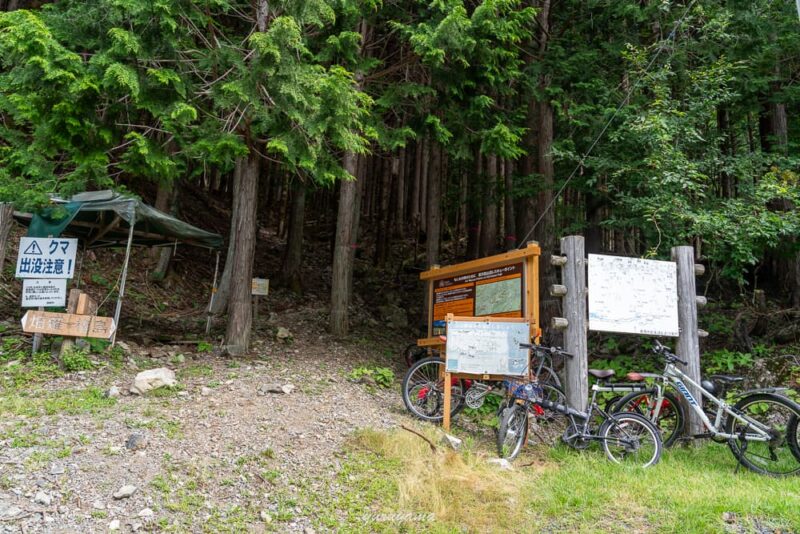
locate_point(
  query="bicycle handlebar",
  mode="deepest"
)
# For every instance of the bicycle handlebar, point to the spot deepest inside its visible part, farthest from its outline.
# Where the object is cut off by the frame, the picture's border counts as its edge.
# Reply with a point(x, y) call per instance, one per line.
point(658, 348)
point(541, 348)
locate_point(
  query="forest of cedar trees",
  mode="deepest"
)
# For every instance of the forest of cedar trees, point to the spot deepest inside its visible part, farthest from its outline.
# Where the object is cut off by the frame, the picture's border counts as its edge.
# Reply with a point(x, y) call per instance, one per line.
point(414, 133)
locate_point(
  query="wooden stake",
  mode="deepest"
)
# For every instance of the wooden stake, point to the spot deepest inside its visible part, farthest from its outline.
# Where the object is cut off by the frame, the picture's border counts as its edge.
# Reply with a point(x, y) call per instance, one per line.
point(688, 343)
point(72, 307)
point(574, 278)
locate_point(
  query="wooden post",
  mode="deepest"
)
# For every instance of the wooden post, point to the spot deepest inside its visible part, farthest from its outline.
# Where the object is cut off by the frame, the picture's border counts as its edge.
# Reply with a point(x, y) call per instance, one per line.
point(447, 400)
point(688, 343)
point(574, 278)
point(72, 307)
point(37, 339)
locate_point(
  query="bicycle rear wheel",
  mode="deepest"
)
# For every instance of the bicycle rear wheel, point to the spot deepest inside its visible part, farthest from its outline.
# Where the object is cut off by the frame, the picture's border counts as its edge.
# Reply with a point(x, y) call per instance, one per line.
point(670, 418)
point(630, 439)
point(423, 390)
point(513, 431)
point(777, 415)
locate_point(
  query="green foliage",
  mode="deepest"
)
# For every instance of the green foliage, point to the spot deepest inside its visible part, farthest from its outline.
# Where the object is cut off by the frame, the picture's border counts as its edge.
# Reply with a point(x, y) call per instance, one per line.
point(204, 346)
point(382, 376)
point(725, 361)
point(75, 359)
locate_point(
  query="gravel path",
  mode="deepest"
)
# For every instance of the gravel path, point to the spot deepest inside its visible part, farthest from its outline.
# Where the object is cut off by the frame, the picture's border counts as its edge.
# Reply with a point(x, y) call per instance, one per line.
point(219, 453)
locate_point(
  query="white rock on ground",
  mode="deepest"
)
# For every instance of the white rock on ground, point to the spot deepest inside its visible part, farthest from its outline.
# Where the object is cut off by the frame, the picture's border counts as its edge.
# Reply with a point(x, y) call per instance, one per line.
point(153, 379)
point(114, 525)
point(42, 498)
point(125, 491)
point(502, 463)
point(147, 512)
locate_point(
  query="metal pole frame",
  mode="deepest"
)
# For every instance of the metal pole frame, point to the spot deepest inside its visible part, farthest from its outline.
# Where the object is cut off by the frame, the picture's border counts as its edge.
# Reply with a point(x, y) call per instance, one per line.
point(122, 282)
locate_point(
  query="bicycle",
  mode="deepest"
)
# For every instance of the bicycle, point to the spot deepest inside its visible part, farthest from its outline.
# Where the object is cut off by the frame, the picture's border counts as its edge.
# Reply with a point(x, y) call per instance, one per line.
point(423, 388)
point(626, 438)
point(761, 429)
point(661, 406)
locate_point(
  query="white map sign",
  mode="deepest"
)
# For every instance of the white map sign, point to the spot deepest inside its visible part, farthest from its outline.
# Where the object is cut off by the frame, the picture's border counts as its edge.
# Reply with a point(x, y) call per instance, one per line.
point(487, 347)
point(633, 296)
point(46, 257)
point(46, 293)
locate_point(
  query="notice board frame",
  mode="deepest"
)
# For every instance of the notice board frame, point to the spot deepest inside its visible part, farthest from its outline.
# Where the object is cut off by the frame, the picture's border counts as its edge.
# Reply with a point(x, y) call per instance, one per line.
point(447, 377)
point(528, 256)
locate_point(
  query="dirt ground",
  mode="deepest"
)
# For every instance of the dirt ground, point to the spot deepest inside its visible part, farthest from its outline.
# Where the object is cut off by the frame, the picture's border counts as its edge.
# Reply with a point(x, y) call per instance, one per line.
point(219, 452)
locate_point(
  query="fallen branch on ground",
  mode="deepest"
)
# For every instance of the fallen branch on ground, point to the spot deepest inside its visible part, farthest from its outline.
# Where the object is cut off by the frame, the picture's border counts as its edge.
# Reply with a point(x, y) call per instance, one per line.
point(433, 447)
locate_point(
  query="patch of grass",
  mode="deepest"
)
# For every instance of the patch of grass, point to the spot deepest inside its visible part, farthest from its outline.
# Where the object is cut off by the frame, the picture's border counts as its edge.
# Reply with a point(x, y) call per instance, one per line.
point(165, 391)
point(172, 429)
point(76, 359)
point(389, 473)
point(65, 401)
point(194, 371)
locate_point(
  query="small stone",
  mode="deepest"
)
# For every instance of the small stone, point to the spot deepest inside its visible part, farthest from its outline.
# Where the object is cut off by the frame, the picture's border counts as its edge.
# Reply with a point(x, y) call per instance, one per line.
point(57, 469)
point(63, 509)
point(287, 388)
point(113, 392)
point(125, 491)
point(265, 517)
point(147, 512)
point(283, 333)
point(8, 511)
point(205, 391)
point(136, 441)
point(114, 525)
point(98, 505)
point(729, 517)
point(136, 526)
point(502, 463)
point(183, 394)
point(179, 358)
point(308, 530)
point(42, 498)
point(451, 441)
point(270, 388)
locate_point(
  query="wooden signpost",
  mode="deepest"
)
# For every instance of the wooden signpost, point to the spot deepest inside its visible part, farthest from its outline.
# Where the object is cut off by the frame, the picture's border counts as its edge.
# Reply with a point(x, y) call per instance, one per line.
point(67, 324)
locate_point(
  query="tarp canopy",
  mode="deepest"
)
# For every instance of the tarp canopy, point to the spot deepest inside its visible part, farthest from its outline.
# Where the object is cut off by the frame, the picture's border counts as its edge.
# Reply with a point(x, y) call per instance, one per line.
point(104, 219)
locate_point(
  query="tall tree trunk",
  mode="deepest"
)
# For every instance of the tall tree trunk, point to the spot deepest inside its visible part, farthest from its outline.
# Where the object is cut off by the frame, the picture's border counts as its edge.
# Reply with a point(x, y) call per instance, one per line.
point(221, 297)
point(728, 149)
point(415, 189)
point(399, 173)
point(423, 185)
point(489, 219)
point(474, 205)
point(545, 233)
point(510, 226)
point(6, 219)
point(240, 309)
point(383, 236)
point(434, 210)
point(293, 258)
point(165, 253)
point(343, 251)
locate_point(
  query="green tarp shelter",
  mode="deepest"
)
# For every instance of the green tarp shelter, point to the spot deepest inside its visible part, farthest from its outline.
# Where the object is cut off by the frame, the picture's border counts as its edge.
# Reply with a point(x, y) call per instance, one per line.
point(105, 218)
point(108, 219)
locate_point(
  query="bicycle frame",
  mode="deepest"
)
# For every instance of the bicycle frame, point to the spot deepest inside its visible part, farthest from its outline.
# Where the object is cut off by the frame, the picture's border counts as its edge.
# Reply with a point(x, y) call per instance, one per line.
point(676, 377)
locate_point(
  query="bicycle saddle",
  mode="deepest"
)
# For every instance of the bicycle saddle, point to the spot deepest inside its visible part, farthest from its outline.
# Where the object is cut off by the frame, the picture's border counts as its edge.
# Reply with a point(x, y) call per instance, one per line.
point(727, 379)
point(602, 374)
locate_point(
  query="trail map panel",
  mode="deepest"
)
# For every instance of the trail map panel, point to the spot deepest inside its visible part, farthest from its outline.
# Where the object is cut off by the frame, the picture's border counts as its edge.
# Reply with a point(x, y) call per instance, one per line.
point(45, 293)
point(46, 257)
point(497, 292)
point(632, 295)
point(481, 347)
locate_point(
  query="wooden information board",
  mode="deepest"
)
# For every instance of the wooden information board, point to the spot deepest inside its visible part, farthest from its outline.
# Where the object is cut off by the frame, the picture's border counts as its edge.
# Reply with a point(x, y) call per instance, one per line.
point(505, 285)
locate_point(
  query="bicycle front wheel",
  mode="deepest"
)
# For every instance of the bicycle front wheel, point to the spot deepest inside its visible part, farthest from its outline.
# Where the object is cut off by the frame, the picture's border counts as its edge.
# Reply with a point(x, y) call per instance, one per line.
point(630, 439)
point(513, 431)
point(423, 390)
point(669, 419)
point(777, 416)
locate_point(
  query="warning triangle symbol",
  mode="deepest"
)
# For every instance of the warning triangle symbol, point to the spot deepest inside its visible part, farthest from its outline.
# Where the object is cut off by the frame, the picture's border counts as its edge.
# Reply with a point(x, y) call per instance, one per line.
point(33, 249)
